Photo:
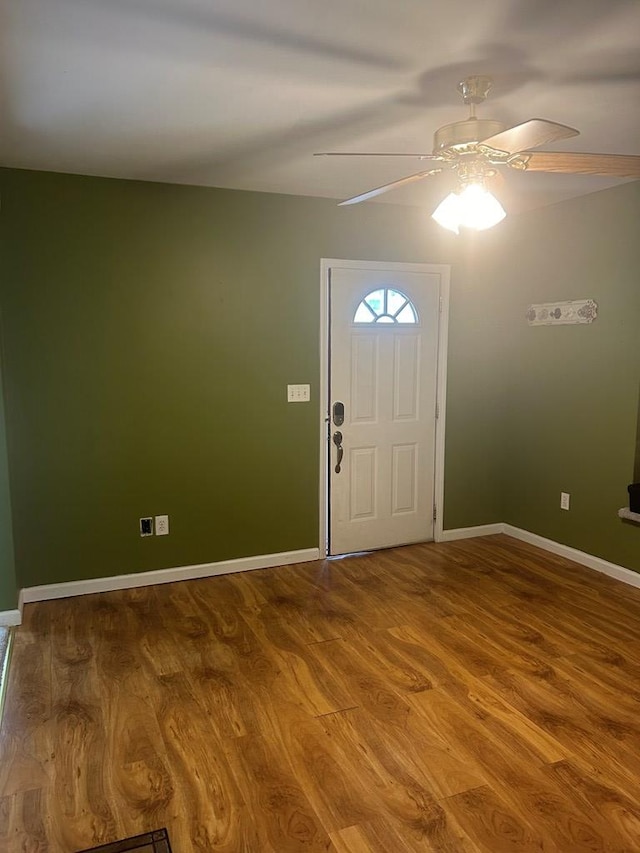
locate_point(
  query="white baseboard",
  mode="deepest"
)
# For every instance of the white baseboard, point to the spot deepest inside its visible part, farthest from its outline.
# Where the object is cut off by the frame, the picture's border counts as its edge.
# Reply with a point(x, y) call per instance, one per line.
point(265, 561)
point(627, 576)
point(180, 573)
point(604, 566)
point(470, 532)
point(10, 617)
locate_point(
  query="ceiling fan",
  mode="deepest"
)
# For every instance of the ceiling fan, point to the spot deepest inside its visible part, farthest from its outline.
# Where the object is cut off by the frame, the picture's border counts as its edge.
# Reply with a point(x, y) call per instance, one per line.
point(474, 149)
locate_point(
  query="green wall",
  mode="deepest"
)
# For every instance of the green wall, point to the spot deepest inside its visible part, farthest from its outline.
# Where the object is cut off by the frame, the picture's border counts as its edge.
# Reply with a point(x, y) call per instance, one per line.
point(570, 393)
point(636, 469)
point(475, 402)
point(8, 589)
point(150, 331)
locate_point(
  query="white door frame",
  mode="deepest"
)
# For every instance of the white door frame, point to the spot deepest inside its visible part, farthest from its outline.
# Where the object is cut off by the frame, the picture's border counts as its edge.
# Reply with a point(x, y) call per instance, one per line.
point(444, 270)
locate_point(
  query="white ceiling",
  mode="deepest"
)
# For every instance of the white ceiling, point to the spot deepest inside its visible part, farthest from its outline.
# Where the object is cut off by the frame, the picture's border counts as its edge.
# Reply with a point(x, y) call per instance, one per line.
point(240, 93)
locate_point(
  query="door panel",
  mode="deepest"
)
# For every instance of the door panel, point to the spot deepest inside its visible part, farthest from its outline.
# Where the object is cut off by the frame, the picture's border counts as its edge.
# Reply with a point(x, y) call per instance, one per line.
point(384, 370)
point(406, 377)
point(364, 379)
point(363, 470)
point(403, 478)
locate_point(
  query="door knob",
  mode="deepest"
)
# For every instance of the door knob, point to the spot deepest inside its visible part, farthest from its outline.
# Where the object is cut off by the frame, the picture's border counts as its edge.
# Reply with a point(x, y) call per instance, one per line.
point(337, 440)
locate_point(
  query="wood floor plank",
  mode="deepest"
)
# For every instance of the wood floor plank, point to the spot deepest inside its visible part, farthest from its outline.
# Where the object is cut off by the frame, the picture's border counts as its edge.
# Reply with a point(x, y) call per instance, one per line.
point(82, 789)
point(305, 675)
point(306, 602)
point(287, 821)
point(438, 667)
point(208, 803)
point(616, 808)
point(24, 736)
point(139, 763)
point(618, 676)
point(210, 663)
point(566, 722)
point(334, 787)
point(493, 825)
point(534, 802)
point(407, 768)
point(505, 722)
point(478, 695)
point(366, 838)
point(399, 666)
point(235, 636)
point(596, 698)
point(22, 822)
point(353, 667)
point(433, 832)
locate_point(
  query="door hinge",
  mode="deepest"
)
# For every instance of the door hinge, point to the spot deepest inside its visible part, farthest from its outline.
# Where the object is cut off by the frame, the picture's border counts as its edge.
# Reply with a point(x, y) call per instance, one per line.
point(437, 411)
point(435, 512)
point(441, 304)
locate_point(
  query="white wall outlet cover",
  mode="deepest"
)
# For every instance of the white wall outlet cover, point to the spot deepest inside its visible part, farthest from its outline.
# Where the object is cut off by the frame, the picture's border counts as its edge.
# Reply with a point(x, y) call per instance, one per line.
point(162, 525)
point(298, 393)
point(565, 500)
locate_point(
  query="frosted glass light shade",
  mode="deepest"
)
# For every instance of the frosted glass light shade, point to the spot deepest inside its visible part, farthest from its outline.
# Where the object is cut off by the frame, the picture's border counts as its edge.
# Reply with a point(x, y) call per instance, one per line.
point(479, 209)
point(447, 213)
point(474, 207)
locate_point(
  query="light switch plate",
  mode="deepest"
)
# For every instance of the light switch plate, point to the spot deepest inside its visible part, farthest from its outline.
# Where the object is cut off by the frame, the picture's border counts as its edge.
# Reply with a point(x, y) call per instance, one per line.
point(298, 393)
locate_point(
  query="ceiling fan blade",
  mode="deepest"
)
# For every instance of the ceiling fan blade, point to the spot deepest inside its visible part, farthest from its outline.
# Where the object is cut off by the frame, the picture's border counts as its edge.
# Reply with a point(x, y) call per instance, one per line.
point(573, 163)
point(529, 134)
point(376, 154)
point(410, 179)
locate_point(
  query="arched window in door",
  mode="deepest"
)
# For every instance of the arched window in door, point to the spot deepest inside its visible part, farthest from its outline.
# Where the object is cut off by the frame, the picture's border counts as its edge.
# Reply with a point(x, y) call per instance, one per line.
point(386, 305)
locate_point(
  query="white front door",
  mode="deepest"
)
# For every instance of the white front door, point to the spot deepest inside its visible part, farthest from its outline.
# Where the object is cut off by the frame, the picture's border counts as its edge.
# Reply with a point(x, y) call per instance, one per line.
point(383, 350)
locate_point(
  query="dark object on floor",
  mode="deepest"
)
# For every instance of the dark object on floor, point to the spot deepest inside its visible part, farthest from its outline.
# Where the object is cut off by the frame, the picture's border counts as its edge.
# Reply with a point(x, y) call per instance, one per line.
point(634, 497)
point(150, 842)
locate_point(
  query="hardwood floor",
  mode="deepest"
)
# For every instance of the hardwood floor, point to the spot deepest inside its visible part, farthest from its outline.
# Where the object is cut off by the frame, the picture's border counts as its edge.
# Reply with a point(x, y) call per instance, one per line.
point(479, 695)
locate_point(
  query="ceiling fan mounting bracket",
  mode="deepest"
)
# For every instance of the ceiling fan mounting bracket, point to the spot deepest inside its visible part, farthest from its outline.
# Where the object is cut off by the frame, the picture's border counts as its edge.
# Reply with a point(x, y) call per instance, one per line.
point(474, 89)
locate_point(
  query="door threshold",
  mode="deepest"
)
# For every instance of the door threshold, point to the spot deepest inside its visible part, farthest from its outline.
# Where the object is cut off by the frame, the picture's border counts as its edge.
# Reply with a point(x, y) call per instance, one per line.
point(351, 554)
point(377, 550)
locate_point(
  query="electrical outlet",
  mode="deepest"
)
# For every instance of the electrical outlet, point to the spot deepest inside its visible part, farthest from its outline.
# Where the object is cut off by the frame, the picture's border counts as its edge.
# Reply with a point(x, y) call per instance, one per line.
point(565, 499)
point(298, 393)
point(146, 526)
point(162, 525)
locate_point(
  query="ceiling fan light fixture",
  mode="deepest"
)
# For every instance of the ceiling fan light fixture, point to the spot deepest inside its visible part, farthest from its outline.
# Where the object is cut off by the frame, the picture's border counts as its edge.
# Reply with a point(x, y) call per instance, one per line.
point(471, 207)
point(475, 147)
